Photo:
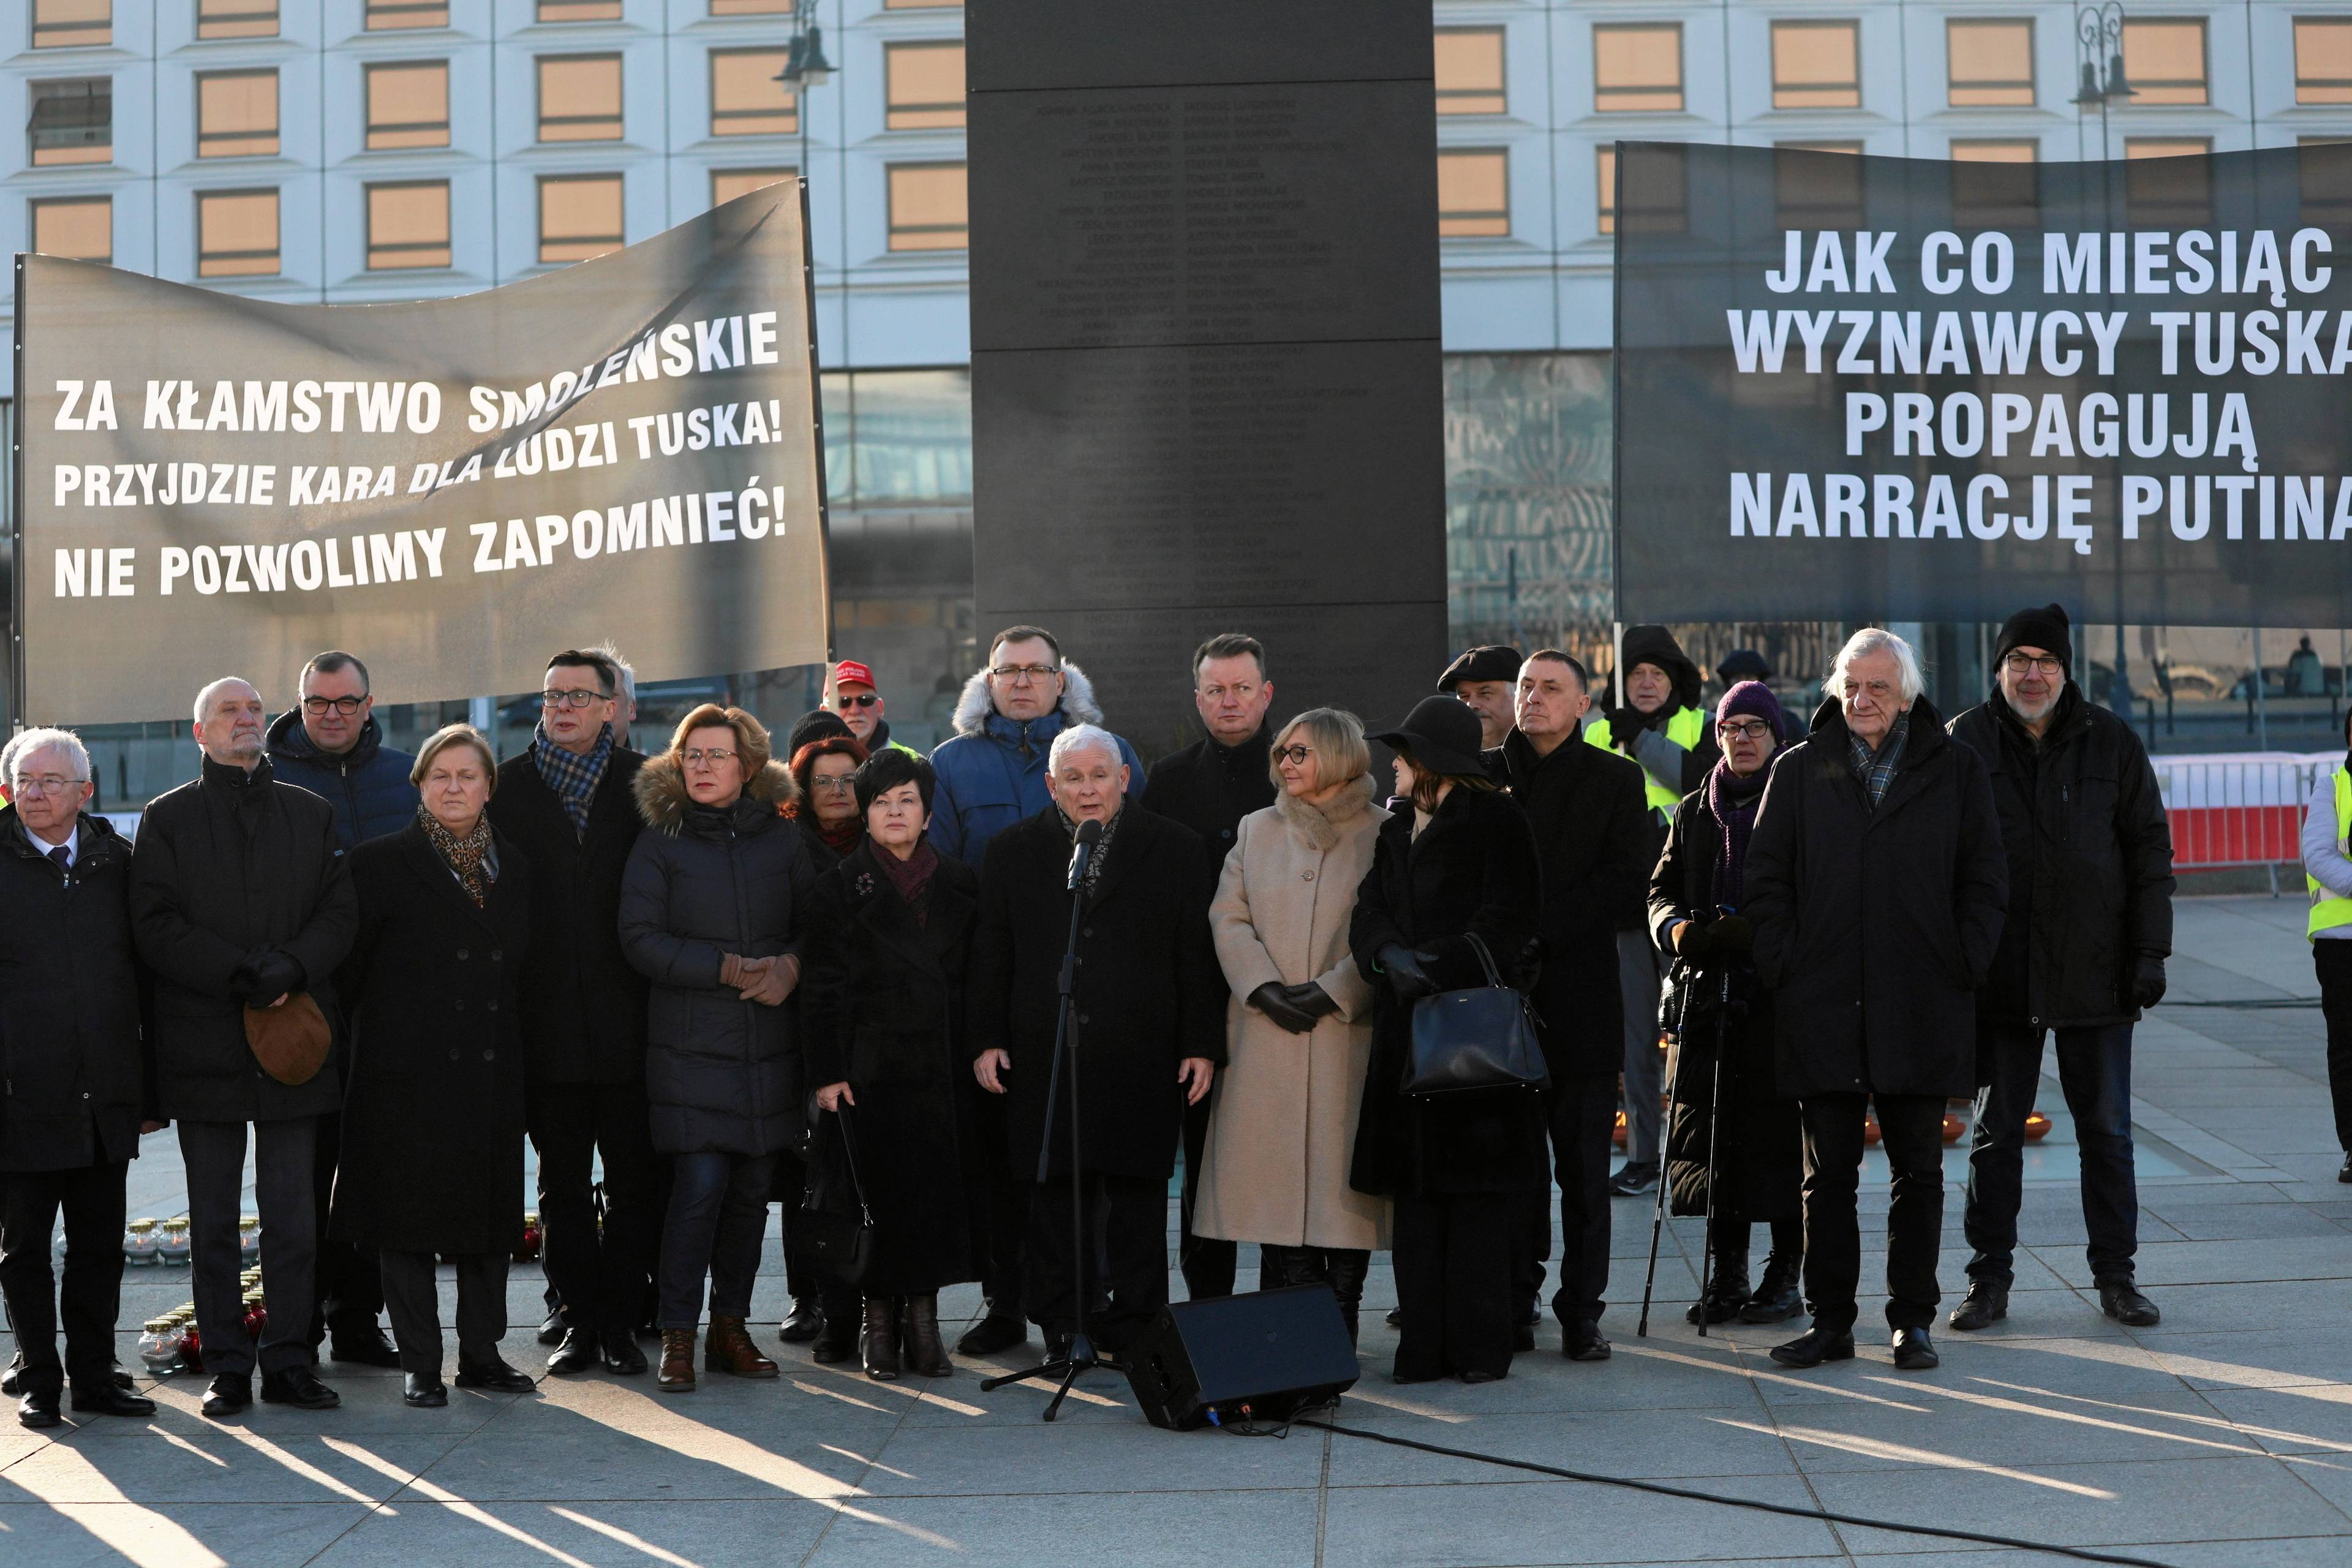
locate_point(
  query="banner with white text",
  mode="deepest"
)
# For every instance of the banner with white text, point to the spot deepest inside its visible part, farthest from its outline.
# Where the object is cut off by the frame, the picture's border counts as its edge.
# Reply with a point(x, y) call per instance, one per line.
point(453, 490)
point(1899, 389)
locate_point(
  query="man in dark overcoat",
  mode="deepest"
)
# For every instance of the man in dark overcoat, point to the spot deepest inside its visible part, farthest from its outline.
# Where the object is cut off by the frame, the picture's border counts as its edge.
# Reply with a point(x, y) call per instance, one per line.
point(240, 900)
point(1149, 1010)
point(2082, 951)
point(566, 804)
point(1875, 886)
point(77, 1084)
point(1592, 835)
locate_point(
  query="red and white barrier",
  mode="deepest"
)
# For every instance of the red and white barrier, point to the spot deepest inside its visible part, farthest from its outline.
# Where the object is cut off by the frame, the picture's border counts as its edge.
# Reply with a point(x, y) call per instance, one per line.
point(2239, 808)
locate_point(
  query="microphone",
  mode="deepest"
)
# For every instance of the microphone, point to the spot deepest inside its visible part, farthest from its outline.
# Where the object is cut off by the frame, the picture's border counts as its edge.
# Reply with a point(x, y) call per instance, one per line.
point(1090, 834)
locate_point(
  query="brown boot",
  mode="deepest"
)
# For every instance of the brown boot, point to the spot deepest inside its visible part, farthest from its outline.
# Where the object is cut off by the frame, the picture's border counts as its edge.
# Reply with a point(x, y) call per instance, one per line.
point(730, 1350)
point(879, 1344)
point(676, 1362)
point(925, 1356)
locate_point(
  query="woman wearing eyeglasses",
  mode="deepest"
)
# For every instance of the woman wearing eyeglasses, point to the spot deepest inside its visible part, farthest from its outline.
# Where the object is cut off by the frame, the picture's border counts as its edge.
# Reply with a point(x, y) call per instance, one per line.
point(711, 911)
point(1298, 1028)
point(824, 803)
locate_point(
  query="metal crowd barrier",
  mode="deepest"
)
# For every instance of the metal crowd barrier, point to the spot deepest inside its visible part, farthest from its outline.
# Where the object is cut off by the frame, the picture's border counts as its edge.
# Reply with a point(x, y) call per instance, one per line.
point(2243, 809)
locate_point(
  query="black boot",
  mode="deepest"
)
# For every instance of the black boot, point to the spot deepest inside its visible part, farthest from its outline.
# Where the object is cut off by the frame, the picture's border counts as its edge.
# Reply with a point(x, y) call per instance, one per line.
point(1777, 1299)
point(1726, 1289)
point(1348, 1271)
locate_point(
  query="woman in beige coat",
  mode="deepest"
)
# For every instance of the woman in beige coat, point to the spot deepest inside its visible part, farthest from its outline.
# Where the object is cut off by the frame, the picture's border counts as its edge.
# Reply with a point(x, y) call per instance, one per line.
point(1298, 1028)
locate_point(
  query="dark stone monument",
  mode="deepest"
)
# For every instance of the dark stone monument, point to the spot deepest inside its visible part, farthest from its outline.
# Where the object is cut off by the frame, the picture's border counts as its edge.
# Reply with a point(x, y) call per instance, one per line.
point(1206, 387)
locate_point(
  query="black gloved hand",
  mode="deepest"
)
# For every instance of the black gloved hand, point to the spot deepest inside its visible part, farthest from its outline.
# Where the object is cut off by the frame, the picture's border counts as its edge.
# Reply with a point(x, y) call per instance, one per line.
point(1730, 936)
point(1624, 723)
point(1693, 941)
point(1407, 977)
point(2148, 986)
point(1311, 999)
point(265, 977)
point(1273, 999)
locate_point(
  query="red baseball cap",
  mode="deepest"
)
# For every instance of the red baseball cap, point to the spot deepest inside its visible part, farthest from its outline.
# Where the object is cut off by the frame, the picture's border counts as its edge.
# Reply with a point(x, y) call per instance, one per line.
point(849, 672)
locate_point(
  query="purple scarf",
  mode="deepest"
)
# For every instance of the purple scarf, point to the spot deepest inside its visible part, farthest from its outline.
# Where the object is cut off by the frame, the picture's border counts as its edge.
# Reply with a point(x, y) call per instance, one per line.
point(911, 878)
point(1734, 800)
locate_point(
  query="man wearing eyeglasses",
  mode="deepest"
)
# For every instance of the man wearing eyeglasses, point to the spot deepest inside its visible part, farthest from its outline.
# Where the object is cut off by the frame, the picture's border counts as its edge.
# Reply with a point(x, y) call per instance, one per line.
point(860, 705)
point(2081, 954)
point(566, 802)
point(331, 745)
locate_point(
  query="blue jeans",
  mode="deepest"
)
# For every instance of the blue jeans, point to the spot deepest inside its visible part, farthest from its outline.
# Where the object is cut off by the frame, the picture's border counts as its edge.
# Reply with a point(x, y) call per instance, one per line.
point(2095, 1071)
point(718, 1217)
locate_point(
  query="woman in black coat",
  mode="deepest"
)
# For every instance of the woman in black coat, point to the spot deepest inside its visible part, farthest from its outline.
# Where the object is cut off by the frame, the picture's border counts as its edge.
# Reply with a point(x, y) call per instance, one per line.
point(1461, 863)
point(890, 934)
point(433, 1124)
point(1755, 1148)
point(713, 907)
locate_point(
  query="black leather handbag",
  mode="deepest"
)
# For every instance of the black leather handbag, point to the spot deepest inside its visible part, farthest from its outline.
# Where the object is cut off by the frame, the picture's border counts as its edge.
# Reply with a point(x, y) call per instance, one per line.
point(834, 1226)
point(1483, 1037)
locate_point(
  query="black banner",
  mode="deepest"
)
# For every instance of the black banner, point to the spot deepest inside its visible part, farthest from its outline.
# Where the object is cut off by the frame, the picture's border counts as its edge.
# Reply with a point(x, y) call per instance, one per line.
point(215, 485)
point(1885, 388)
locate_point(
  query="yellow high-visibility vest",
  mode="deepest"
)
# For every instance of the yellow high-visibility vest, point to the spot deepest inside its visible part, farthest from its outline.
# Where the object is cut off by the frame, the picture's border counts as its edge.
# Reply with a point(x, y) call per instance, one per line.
point(1686, 729)
point(2326, 909)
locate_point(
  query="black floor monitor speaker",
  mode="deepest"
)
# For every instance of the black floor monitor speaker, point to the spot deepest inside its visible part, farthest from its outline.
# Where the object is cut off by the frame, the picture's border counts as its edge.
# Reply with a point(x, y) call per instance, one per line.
point(1274, 1352)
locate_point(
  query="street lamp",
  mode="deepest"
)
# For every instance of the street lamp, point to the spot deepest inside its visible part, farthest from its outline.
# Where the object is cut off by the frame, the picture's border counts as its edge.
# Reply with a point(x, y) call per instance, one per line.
point(2099, 60)
point(804, 62)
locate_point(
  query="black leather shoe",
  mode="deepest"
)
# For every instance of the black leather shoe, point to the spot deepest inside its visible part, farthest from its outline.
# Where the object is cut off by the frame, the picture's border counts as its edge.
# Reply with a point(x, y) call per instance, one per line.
point(1814, 1346)
point(1581, 1341)
point(8, 1384)
point(1984, 1305)
point(363, 1347)
point(837, 1340)
point(550, 1328)
point(1913, 1351)
point(40, 1410)
point(622, 1355)
point(108, 1400)
point(228, 1394)
point(1479, 1377)
point(1632, 1180)
point(2344, 1173)
point(2121, 1299)
point(580, 1353)
point(124, 1378)
point(991, 1334)
point(299, 1387)
point(802, 1323)
point(495, 1376)
point(1395, 1318)
point(1523, 1336)
point(1534, 1314)
point(424, 1391)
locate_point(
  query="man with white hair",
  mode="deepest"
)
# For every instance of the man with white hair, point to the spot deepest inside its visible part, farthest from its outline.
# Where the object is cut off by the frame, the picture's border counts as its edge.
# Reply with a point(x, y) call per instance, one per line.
point(1875, 887)
point(1149, 1006)
point(80, 1089)
point(242, 908)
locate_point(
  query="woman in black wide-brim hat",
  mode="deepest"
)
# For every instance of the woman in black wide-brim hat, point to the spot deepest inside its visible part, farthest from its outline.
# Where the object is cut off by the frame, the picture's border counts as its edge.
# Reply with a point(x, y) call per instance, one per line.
point(1458, 860)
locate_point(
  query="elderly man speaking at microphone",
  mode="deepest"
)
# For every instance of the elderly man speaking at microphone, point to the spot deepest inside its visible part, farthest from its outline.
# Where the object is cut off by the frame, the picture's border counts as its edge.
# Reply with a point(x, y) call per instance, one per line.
point(1147, 1014)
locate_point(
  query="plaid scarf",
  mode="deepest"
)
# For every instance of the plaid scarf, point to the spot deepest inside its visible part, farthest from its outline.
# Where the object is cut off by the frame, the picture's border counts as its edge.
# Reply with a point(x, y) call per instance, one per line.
point(468, 858)
point(1102, 846)
point(573, 779)
point(1875, 770)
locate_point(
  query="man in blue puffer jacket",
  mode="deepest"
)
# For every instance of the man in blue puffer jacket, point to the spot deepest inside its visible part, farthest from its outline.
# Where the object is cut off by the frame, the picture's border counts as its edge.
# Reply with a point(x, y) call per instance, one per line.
point(991, 770)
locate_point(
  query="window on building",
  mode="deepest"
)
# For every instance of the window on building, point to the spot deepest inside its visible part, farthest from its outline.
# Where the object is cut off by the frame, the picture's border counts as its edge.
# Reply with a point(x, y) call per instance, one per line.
point(1818, 193)
point(751, 7)
point(1816, 65)
point(1989, 62)
point(72, 24)
point(236, 114)
point(2165, 184)
point(579, 217)
point(408, 104)
point(2325, 179)
point(2323, 59)
point(579, 10)
point(927, 208)
point(71, 121)
point(746, 98)
point(580, 97)
point(1657, 199)
point(392, 16)
point(1470, 70)
point(920, 4)
point(2164, 60)
point(236, 233)
point(925, 83)
point(80, 228)
point(408, 225)
point(1995, 184)
point(726, 184)
point(1637, 68)
point(236, 18)
point(1474, 192)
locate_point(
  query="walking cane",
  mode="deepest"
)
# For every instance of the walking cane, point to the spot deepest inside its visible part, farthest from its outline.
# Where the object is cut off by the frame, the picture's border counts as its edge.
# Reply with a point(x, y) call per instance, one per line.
point(1714, 1137)
point(1658, 1208)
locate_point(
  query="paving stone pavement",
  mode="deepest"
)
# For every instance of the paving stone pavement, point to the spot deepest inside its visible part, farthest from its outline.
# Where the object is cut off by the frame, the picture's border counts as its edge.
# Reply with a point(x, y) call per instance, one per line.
point(2222, 1437)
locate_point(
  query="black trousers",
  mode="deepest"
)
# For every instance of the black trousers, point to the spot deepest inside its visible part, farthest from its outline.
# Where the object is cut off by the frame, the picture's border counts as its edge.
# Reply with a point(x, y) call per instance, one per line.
point(88, 1299)
point(999, 1205)
point(2095, 1071)
point(413, 1300)
point(1126, 1253)
point(2332, 957)
point(1911, 1128)
point(351, 1290)
point(213, 1152)
point(1582, 1114)
point(1207, 1261)
point(1452, 1260)
point(601, 1280)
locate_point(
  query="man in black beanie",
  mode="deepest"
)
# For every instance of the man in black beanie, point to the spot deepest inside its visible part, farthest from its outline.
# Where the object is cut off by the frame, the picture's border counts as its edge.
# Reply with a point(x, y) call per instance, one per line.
point(2082, 951)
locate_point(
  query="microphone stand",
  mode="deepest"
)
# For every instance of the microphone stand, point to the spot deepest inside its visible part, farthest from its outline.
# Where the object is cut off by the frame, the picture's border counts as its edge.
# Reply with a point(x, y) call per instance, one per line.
point(1081, 1357)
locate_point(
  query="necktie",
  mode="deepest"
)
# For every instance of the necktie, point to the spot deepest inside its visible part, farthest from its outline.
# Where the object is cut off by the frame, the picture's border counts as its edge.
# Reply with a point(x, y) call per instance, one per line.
point(63, 857)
